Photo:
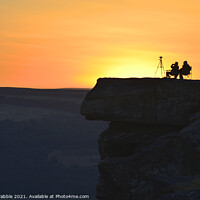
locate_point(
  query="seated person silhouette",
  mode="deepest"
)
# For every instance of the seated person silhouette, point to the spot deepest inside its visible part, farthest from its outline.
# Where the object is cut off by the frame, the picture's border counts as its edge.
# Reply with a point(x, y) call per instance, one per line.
point(174, 71)
point(185, 70)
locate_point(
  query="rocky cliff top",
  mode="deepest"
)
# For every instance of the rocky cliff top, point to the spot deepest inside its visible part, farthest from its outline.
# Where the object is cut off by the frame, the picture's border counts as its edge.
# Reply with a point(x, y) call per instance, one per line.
point(143, 100)
point(151, 149)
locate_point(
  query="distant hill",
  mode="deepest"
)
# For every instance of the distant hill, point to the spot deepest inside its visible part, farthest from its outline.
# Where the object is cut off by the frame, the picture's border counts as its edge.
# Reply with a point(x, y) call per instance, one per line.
point(46, 145)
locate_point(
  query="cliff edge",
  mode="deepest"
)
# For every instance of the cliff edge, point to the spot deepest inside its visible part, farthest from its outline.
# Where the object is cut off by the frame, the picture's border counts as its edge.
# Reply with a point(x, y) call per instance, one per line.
point(146, 100)
point(151, 149)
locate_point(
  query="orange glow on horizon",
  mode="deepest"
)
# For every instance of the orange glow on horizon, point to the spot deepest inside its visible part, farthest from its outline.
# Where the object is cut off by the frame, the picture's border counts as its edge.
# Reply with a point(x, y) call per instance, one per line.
point(70, 44)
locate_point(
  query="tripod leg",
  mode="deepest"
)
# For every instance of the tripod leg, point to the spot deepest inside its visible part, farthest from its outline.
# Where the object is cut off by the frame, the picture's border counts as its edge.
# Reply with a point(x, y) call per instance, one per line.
point(156, 70)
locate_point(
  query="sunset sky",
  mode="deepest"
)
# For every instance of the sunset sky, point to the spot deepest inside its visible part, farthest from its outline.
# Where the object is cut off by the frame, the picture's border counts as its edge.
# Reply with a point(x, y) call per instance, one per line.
point(71, 43)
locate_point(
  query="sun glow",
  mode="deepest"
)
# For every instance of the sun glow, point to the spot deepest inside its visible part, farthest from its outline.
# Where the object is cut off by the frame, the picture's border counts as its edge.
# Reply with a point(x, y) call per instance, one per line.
point(128, 67)
point(116, 67)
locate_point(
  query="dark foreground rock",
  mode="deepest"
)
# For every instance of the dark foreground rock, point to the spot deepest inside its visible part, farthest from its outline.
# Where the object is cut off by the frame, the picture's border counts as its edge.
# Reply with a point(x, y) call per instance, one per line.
point(151, 149)
point(185, 195)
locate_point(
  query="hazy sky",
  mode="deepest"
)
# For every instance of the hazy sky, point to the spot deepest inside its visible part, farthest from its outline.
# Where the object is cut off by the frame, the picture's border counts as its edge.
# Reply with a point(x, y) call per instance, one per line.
point(71, 43)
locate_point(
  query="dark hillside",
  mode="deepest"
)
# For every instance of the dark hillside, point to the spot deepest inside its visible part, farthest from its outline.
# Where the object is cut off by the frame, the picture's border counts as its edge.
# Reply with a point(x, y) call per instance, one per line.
point(46, 145)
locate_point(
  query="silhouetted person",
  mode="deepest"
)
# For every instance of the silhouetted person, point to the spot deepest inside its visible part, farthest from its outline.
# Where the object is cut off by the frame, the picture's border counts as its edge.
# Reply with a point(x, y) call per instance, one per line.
point(185, 70)
point(174, 71)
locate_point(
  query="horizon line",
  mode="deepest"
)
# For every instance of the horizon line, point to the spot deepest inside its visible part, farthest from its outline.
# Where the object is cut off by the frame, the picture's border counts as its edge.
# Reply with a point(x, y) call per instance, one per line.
point(35, 88)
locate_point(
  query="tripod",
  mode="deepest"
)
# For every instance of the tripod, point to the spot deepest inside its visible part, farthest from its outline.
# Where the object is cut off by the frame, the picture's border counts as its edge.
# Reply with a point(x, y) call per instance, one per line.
point(160, 65)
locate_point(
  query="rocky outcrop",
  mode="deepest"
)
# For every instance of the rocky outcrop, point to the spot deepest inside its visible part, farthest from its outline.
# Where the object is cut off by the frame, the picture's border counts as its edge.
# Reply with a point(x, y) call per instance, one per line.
point(151, 149)
point(145, 101)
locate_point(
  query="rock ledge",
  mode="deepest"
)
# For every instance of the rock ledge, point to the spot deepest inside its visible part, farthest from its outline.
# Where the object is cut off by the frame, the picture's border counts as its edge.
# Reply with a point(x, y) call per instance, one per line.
point(142, 100)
